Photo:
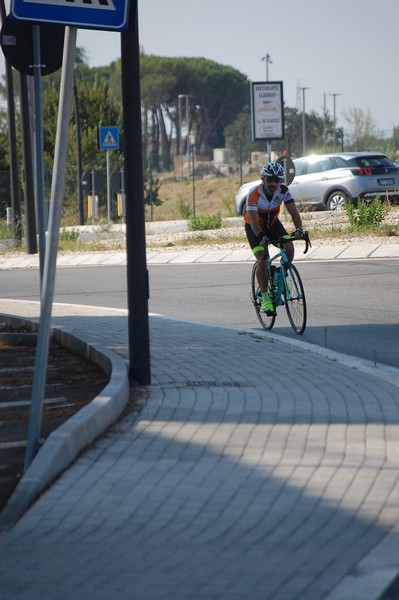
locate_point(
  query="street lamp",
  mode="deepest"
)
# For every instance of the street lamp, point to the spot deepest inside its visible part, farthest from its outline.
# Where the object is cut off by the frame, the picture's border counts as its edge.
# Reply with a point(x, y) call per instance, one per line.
point(268, 60)
point(186, 97)
point(335, 121)
point(303, 121)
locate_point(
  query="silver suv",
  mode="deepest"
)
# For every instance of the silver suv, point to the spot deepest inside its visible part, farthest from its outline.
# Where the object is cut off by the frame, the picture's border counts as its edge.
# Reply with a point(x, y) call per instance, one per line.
point(327, 181)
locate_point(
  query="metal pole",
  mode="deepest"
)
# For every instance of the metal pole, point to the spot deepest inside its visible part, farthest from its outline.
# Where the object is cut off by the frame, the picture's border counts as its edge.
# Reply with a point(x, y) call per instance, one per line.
point(268, 144)
point(123, 195)
point(303, 122)
point(47, 293)
point(79, 169)
point(137, 274)
point(188, 133)
point(39, 148)
point(335, 121)
point(180, 97)
point(268, 60)
point(151, 191)
point(193, 155)
point(29, 193)
point(324, 121)
point(240, 151)
point(335, 126)
point(93, 196)
point(12, 138)
point(108, 187)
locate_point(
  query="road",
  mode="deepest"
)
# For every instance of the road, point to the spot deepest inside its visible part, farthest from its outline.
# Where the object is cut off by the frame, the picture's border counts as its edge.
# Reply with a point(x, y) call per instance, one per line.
point(352, 306)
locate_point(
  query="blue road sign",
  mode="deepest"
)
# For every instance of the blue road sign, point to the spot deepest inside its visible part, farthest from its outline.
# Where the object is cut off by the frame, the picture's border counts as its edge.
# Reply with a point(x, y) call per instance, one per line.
point(92, 14)
point(108, 138)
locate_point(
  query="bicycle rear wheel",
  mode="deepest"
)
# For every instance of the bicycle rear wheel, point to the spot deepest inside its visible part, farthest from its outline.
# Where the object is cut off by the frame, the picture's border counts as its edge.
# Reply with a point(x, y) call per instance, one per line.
point(295, 301)
point(265, 320)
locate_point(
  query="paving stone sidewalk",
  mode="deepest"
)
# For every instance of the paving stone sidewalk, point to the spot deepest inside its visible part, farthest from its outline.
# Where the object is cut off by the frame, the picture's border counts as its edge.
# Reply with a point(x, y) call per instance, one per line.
point(341, 251)
point(257, 468)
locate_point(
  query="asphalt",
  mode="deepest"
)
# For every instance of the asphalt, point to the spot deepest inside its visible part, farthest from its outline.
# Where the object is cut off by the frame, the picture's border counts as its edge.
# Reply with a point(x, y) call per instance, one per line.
point(256, 467)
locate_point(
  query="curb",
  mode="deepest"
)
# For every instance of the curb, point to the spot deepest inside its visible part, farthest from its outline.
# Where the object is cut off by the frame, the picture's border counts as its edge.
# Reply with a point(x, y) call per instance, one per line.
point(65, 443)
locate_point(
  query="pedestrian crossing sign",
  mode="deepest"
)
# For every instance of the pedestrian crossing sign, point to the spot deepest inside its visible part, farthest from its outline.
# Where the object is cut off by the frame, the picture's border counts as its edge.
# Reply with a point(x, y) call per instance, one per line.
point(94, 14)
point(108, 138)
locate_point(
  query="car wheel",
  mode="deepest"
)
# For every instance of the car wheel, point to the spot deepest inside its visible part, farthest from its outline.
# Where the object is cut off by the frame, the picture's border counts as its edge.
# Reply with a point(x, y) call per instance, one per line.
point(336, 201)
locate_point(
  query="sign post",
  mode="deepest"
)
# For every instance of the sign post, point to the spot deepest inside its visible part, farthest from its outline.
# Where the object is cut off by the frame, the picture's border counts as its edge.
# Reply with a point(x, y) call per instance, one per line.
point(108, 139)
point(104, 14)
point(47, 290)
point(137, 273)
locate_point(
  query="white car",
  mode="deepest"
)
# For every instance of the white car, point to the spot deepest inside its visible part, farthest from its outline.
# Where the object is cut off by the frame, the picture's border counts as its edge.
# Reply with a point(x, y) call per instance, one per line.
point(327, 181)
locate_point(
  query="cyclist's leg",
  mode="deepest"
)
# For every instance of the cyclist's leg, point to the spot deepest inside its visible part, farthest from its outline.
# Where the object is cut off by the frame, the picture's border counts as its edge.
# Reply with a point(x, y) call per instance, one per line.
point(278, 230)
point(262, 274)
point(289, 249)
point(261, 261)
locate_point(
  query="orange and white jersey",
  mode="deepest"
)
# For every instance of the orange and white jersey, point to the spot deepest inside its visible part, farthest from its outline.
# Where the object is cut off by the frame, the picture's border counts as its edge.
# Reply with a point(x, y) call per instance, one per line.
point(268, 207)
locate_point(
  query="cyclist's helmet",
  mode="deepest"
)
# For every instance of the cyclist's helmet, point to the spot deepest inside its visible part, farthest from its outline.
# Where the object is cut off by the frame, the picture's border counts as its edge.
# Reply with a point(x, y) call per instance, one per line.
point(273, 169)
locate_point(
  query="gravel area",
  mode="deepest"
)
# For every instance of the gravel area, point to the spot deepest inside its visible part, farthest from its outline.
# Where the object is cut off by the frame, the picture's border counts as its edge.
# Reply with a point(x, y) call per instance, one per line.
point(175, 235)
point(232, 234)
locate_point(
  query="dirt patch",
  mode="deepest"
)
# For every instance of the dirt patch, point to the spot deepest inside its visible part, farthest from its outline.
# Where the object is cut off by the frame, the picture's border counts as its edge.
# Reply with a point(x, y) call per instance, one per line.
point(71, 383)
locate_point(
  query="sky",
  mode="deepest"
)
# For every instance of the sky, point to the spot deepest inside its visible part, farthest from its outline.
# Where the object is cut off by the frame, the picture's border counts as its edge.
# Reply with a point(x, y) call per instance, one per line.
point(344, 47)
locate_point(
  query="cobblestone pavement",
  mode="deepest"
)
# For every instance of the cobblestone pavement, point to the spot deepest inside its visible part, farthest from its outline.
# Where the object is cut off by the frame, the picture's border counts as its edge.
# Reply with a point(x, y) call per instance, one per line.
point(229, 483)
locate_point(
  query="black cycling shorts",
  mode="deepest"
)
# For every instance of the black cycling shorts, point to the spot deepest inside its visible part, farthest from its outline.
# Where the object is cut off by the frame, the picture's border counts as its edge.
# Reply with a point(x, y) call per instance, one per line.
point(274, 232)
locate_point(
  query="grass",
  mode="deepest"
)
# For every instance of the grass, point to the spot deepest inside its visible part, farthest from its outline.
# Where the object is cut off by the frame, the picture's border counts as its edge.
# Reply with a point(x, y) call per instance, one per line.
point(210, 197)
point(5, 232)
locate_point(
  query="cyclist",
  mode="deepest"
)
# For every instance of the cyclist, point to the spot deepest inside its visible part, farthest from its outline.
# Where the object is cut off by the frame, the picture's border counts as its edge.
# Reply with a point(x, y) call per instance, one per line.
point(261, 212)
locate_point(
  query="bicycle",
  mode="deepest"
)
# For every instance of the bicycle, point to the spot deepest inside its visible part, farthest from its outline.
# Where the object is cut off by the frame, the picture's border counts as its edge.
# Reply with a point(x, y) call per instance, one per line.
point(285, 287)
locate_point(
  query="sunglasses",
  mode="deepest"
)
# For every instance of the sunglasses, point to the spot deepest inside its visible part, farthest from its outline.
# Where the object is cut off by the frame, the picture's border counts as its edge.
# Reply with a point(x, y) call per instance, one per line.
point(271, 179)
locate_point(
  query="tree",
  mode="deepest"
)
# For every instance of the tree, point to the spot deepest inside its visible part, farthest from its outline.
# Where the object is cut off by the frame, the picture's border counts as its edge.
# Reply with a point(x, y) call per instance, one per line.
point(217, 94)
point(97, 107)
point(362, 129)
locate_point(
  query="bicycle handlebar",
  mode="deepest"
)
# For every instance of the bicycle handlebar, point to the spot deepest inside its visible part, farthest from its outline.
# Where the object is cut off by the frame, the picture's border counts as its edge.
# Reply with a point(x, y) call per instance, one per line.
point(282, 240)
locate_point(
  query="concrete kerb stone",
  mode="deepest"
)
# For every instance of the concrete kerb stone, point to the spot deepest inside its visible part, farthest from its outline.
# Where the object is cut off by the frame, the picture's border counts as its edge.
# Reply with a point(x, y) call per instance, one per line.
point(65, 443)
point(205, 255)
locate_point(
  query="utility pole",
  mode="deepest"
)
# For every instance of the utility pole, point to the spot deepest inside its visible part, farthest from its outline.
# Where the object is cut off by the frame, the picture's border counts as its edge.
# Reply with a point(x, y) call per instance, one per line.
point(268, 60)
point(335, 121)
point(324, 121)
point(303, 121)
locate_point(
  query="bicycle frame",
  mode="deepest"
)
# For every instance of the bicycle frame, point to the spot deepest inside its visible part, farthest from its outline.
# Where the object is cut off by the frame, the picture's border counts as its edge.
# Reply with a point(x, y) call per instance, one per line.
point(285, 288)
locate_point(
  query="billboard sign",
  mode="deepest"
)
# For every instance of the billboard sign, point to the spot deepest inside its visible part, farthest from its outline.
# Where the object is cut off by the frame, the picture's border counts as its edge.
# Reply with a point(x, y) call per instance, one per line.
point(267, 108)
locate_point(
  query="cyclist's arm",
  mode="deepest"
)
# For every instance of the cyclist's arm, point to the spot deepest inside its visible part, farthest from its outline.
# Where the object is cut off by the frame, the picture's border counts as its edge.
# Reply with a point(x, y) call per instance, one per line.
point(294, 214)
point(254, 222)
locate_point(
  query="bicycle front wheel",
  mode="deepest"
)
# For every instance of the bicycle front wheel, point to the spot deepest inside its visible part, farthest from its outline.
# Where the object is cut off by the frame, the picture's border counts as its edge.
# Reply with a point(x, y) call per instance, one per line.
point(294, 298)
point(265, 320)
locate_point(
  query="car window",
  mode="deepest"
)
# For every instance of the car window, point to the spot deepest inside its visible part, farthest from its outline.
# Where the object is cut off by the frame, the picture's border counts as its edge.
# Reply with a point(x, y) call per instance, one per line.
point(299, 166)
point(373, 161)
point(340, 162)
point(319, 165)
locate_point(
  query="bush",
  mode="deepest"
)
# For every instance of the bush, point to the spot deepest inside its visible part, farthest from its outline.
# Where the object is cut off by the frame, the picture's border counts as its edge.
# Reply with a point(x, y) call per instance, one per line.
point(69, 235)
point(151, 189)
point(6, 232)
point(183, 208)
point(205, 222)
point(367, 214)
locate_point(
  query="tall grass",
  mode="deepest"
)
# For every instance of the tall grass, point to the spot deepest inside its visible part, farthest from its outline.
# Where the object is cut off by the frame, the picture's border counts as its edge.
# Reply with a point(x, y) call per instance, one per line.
point(366, 214)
